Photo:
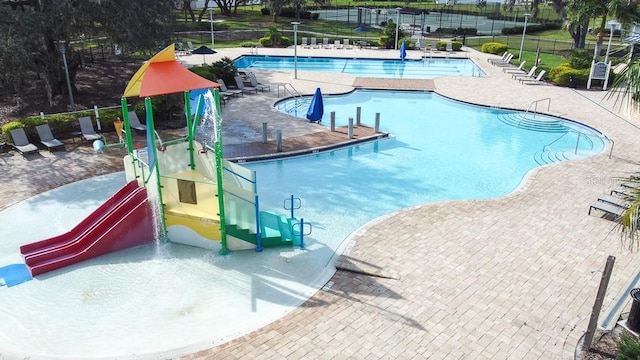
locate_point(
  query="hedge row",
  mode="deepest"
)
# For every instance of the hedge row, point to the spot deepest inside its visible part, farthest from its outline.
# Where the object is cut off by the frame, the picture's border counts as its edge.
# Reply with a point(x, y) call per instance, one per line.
point(531, 29)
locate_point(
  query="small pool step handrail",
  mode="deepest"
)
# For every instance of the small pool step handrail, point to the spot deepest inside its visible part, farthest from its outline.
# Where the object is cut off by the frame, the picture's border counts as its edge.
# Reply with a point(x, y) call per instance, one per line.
point(287, 88)
point(534, 104)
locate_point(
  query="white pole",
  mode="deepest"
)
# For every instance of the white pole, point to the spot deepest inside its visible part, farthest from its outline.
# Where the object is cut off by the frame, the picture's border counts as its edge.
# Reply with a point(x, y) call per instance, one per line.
point(97, 113)
point(397, 26)
point(211, 21)
point(612, 28)
point(524, 31)
point(63, 50)
point(295, 48)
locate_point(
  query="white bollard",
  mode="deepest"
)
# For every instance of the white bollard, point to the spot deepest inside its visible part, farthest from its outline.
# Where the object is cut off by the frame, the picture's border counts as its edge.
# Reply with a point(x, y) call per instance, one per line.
point(350, 128)
point(376, 127)
point(264, 132)
point(333, 121)
point(279, 140)
point(95, 110)
point(41, 115)
point(358, 113)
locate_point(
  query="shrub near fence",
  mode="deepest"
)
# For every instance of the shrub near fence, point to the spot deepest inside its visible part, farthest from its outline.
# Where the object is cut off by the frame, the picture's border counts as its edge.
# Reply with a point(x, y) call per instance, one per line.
point(546, 46)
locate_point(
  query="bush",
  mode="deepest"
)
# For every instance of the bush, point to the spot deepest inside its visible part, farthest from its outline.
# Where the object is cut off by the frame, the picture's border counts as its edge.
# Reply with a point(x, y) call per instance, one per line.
point(265, 11)
point(265, 41)
point(531, 29)
point(457, 31)
point(204, 71)
point(580, 59)
point(455, 45)
point(249, 44)
point(224, 69)
point(285, 41)
point(494, 48)
point(628, 348)
point(560, 75)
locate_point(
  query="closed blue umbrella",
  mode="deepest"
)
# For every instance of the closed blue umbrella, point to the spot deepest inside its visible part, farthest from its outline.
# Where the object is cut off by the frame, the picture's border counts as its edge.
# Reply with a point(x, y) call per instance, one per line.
point(316, 108)
point(403, 50)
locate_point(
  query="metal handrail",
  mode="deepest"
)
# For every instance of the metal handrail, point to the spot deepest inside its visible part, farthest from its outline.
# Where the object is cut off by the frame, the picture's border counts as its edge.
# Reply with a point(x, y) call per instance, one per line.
point(288, 88)
point(536, 106)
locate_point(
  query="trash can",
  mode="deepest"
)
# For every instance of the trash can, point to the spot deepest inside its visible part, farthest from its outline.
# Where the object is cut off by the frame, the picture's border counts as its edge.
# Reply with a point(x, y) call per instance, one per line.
point(633, 322)
point(573, 82)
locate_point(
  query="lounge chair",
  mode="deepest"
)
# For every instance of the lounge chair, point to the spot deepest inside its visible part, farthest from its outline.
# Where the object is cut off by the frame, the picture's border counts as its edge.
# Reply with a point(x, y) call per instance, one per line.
point(254, 82)
point(337, 45)
point(228, 92)
point(515, 70)
point(535, 80)
point(504, 56)
point(304, 43)
point(449, 46)
point(191, 48)
point(434, 45)
point(325, 43)
point(21, 142)
point(135, 123)
point(245, 89)
point(47, 139)
point(314, 43)
point(506, 62)
point(347, 44)
point(608, 208)
point(86, 128)
point(529, 74)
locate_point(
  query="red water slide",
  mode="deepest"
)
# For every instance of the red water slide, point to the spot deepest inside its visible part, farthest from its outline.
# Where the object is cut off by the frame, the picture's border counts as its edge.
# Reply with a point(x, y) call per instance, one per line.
point(123, 221)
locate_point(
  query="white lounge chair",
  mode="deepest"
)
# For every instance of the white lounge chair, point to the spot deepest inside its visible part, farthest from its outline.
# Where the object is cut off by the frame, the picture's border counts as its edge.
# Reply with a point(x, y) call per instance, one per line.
point(506, 62)
point(347, 44)
point(134, 122)
point(86, 128)
point(449, 46)
point(314, 43)
point(535, 81)
point(337, 45)
point(47, 139)
point(504, 56)
point(325, 43)
point(304, 43)
point(241, 86)
point(515, 70)
point(254, 82)
point(21, 142)
point(529, 74)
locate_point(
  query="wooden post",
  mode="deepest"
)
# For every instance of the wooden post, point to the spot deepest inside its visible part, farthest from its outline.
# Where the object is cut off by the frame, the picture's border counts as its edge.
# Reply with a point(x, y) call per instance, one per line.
point(597, 306)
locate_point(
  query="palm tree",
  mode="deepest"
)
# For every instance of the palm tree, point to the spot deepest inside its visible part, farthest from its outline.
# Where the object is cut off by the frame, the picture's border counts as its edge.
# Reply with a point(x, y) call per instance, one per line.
point(624, 11)
point(626, 91)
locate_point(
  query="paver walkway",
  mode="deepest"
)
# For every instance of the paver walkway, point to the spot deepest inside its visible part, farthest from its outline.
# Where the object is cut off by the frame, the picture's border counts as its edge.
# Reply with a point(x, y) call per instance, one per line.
point(513, 277)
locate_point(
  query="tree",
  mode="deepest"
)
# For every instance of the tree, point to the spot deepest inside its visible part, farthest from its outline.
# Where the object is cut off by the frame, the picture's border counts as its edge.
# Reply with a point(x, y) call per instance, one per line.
point(624, 11)
point(31, 33)
point(275, 6)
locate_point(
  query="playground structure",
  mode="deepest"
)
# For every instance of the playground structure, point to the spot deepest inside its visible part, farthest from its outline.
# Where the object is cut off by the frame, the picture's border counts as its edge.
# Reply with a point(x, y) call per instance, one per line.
point(181, 190)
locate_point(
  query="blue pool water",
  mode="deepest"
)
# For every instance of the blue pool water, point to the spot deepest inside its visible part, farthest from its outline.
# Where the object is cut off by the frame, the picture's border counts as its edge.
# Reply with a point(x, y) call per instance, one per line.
point(439, 150)
point(380, 68)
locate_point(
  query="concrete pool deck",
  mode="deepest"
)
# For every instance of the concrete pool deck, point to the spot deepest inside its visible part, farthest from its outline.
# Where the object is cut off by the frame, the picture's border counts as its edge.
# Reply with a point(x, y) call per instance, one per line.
point(513, 277)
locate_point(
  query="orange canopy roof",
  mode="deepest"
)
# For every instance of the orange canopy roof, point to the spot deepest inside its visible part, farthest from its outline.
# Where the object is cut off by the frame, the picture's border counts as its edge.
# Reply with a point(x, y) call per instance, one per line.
point(162, 75)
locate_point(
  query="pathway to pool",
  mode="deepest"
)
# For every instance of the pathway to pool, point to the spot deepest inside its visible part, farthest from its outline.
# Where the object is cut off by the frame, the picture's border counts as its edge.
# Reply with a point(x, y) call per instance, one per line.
point(513, 277)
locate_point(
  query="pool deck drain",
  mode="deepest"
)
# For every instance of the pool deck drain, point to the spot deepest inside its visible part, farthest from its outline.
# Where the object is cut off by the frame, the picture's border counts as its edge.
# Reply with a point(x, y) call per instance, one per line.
point(395, 84)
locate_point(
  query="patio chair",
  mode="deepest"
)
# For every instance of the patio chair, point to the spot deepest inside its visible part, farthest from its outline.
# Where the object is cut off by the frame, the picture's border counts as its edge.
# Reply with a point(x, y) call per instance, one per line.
point(529, 74)
point(506, 62)
point(347, 44)
point(325, 43)
point(254, 82)
point(47, 139)
point(531, 81)
point(135, 123)
point(610, 205)
point(245, 89)
point(304, 43)
point(191, 48)
point(86, 128)
point(228, 92)
point(434, 45)
point(515, 70)
point(337, 45)
point(449, 47)
point(314, 43)
point(21, 142)
point(504, 56)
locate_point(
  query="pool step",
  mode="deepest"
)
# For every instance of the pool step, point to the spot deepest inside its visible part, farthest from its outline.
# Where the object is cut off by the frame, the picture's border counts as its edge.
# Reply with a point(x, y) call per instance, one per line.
point(537, 123)
point(554, 156)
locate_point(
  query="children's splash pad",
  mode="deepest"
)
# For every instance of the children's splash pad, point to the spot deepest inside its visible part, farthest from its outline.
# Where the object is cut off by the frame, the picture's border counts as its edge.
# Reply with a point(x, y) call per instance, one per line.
point(158, 297)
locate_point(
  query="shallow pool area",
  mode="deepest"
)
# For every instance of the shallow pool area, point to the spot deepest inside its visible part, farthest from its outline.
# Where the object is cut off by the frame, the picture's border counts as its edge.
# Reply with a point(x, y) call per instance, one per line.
point(426, 68)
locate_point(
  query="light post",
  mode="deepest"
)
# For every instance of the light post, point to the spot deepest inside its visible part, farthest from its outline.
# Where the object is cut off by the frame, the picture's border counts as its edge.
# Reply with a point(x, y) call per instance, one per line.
point(295, 48)
point(63, 51)
point(612, 28)
point(524, 31)
point(211, 21)
point(397, 26)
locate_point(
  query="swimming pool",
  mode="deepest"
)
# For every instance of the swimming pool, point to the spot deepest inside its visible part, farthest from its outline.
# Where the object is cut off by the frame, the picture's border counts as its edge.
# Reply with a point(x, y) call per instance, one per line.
point(427, 68)
point(161, 300)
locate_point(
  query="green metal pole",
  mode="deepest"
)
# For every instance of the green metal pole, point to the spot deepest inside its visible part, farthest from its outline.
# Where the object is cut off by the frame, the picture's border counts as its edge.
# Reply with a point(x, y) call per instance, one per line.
point(156, 166)
point(218, 153)
point(190, 133)
point(127, 126)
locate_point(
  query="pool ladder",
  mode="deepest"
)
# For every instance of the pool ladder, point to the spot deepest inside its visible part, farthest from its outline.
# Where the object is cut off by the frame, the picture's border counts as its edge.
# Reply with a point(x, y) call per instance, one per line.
point(288, 89)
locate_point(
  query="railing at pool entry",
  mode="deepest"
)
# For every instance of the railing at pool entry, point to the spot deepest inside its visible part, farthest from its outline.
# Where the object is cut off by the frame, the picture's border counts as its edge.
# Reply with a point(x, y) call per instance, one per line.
point(535, 105)
point(242, 204)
